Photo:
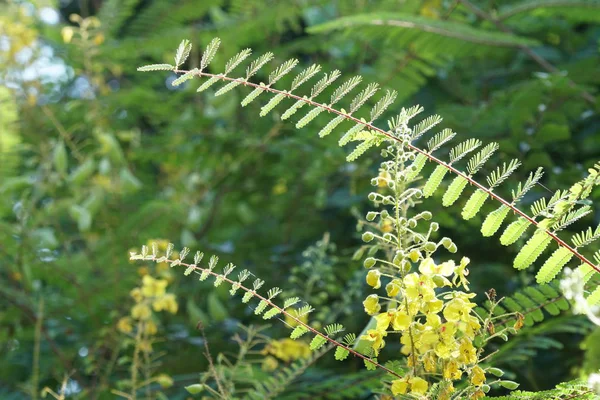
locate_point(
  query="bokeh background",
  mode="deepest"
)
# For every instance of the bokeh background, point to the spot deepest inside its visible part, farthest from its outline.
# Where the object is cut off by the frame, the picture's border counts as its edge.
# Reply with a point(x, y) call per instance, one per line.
point(97, 159)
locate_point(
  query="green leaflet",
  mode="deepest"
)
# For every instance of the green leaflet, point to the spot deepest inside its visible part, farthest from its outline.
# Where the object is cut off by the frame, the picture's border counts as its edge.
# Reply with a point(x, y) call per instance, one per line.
point(204, 275)
point(156, 67)
point(247, 297)
point(292, 110)
point(253, 95)
point(275, 100)
point(226, 88)
point(454, 190)
point(553, 265)
point(260, 307)
point(594, 298)
point(417, 166)
point(298, 331)
point(514, 231)
point(271, 313)
point(312, 114)
point(341, 353)
point(540, 299)
point(535, 312)
point(317, 342)
point(360, 149)
point(434, 180)
point(474, 204)
point(369, 365)
point(494, 220)
point(532, 250)
point(331, 126)
point(348, 136)
point(207, 84)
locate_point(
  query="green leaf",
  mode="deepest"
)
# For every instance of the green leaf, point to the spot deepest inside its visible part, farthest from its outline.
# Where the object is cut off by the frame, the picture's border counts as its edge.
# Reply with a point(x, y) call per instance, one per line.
point(434, 180)
point(341, 353)
point(317, 342)
point(156, 67)
point(474, 204)
point(532, 250)
point(554, 265)
point(298, 331)
point(494, 220)
point(454, 191)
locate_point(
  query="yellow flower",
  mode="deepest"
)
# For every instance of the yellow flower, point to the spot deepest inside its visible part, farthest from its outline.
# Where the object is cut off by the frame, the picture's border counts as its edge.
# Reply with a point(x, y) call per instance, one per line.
point(419, 287)
point(153, 287)
point(124, 325)
point(477, 376)
point(141, 311)
point(461, 273)
point(374, 278)
point(146, 346)
point(375, 336)
point(433, 307)
point(446, 349)
point(406, 342)
point(398, 319)
point(136, 294)
point(468, 354)
point(428, 267)
point(458, 310)
point(166, 302)
point(399, 386)
point(418, 385)
point(479, 394)
point(287, 349)
point(371, 304)
point(429, 363)
point(451, 371)
point(269, 364)
point(470, 326)
point(393, 288)
point(150, 327)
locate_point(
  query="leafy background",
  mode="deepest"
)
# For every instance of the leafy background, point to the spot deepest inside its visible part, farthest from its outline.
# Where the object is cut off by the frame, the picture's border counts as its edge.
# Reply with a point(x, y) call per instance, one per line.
point(97, 159)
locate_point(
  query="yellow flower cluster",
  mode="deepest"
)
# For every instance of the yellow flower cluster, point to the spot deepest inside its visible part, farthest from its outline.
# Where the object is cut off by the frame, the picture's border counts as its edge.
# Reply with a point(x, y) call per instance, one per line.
point(286, 350)
point(436, 329)
point(150, 296)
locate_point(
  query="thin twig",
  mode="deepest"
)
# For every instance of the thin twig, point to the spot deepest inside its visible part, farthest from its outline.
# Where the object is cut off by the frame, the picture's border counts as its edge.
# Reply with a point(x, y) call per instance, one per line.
point(211, 365)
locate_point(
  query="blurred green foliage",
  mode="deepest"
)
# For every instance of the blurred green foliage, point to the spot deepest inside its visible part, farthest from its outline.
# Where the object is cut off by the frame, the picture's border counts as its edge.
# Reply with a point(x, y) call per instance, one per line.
point(96, 159)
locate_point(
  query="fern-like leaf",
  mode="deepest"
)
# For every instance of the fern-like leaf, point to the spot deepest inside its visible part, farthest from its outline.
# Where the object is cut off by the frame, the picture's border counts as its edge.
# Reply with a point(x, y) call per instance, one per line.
point(494, 220)
point(474, 204)
point(553, 265)
point(434, 180)
point(532, 250)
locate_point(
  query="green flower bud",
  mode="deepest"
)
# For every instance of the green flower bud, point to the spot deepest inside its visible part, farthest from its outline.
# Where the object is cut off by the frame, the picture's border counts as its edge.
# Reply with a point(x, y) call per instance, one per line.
point(369, 262)
point(367, 237)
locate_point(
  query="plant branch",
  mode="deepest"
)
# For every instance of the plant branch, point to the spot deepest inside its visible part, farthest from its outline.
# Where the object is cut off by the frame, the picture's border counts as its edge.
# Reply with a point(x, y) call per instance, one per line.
point(199, 270)
point(431, 157)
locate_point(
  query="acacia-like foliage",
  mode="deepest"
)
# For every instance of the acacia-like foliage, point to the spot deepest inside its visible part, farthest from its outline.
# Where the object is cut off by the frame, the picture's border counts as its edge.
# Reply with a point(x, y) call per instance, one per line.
point(266, 302)
point(548, 216)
